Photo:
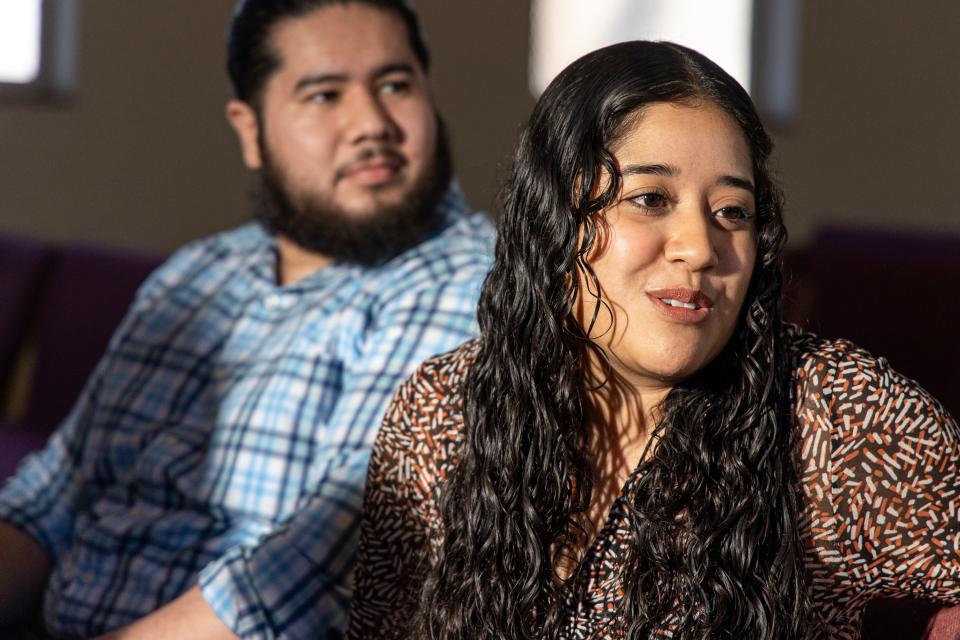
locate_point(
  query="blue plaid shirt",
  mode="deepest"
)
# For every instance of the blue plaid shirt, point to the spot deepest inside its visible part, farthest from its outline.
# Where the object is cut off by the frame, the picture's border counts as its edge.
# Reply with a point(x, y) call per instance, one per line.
point(226, 432)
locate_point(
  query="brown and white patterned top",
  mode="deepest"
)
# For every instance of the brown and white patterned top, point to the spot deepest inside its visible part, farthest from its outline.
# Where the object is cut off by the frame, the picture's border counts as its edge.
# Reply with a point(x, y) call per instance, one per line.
point(881, 467)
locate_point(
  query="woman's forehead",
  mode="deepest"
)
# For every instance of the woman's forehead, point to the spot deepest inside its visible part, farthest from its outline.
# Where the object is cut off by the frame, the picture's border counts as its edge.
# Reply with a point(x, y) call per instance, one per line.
point(683, 138)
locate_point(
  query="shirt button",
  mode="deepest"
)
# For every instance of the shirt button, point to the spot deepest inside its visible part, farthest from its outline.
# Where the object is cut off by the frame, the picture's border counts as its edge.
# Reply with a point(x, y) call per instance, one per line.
point(280, 301)
point(87, 577)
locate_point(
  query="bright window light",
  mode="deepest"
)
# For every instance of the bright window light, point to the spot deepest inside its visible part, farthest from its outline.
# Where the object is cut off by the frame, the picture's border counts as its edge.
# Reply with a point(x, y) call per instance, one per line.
point(19, 40)
point(563, 30)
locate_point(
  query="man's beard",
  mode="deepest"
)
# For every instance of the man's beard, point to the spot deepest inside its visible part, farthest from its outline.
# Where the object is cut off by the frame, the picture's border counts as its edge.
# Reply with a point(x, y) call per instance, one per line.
point(371, 238)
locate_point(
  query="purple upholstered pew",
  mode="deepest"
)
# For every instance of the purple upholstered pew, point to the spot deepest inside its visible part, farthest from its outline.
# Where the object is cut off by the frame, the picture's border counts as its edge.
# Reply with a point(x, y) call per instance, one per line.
point(23, 265)
point(88, 293)
point(84, 297)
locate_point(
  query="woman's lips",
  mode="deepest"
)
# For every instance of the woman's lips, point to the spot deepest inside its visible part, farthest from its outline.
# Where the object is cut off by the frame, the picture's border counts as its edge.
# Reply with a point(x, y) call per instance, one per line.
point(688, 306)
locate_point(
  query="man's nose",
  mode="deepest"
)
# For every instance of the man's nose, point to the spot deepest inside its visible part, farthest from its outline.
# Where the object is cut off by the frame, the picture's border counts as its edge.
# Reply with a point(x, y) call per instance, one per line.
point(690, 239)
point(368, 118)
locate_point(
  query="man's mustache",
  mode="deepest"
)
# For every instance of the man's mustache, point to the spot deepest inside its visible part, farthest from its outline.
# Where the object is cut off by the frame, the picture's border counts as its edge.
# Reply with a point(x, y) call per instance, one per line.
point(371, 155)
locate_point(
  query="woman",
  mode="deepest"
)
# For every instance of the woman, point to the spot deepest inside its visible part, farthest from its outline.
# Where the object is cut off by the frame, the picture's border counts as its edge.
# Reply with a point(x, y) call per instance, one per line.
point(637, 447)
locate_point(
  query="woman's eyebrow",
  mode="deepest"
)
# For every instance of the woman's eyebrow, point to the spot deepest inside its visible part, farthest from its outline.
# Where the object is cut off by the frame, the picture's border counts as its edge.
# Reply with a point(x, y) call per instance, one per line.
point(734, 181)
point(649, 169)
point(671, 171)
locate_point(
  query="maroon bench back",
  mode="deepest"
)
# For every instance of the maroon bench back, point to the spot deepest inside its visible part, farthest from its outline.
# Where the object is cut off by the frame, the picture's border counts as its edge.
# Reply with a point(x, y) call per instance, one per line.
point(894, 293)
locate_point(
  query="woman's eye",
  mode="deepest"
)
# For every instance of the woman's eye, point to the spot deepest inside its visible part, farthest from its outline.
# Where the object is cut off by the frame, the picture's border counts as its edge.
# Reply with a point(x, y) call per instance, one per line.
point(651, 200)
point(734, 214)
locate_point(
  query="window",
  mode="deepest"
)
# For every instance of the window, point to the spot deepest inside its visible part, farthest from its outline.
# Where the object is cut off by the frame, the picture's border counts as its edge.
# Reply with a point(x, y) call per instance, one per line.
point(756, 42)
point(20, 41)
point(36, 48)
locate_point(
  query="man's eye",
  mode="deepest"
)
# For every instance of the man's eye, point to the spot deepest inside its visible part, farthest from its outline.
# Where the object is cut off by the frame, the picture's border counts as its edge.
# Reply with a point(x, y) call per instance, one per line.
point(650, 200)
point(395, 86)
point(323, 96)
point(734, 214)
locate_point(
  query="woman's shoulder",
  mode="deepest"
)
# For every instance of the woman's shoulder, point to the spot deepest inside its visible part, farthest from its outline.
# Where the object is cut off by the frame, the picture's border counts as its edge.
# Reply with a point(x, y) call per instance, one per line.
point(830, 365)
point(441, 377)
point(808, 353)
point(837, 382)
point(880, 462)
point(427, 408)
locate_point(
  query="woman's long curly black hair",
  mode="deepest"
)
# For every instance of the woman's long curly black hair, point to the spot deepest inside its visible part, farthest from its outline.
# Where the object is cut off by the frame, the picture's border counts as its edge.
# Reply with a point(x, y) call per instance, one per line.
point(715, 545)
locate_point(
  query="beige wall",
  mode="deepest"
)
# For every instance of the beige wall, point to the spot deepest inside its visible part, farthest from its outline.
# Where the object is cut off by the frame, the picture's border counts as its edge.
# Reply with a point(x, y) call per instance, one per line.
point(480, 78)
point(878, 134)
point(142, 156)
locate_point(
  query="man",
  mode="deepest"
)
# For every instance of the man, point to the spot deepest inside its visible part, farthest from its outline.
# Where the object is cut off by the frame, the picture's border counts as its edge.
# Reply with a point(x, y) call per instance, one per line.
point(207, 483)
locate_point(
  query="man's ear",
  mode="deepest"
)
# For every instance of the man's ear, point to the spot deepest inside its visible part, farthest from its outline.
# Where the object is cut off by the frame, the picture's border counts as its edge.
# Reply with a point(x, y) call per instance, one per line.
point(246, 124)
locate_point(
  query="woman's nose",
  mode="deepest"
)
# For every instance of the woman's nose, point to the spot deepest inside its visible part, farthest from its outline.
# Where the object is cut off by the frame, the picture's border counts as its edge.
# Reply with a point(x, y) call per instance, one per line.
point(690, 239)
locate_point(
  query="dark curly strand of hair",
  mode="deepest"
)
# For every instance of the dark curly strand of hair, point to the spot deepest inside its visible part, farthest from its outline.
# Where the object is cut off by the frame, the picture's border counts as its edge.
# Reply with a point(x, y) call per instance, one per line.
point(715, 521)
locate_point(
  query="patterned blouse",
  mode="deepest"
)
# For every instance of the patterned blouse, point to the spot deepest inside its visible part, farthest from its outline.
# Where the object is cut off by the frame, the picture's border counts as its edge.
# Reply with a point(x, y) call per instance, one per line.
point(881, 516)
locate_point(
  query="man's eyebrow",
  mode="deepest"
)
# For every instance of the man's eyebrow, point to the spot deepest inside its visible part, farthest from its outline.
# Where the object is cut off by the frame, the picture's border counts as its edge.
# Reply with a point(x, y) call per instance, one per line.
point(324, 78)
point(671, 171)
point(393, 67)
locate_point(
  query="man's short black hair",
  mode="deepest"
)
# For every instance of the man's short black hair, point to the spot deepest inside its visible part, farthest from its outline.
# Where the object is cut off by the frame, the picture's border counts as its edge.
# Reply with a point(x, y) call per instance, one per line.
point(250, 58)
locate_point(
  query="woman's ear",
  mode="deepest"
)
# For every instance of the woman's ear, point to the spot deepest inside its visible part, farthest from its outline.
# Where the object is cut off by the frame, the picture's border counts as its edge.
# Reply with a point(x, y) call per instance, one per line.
point(246, 124)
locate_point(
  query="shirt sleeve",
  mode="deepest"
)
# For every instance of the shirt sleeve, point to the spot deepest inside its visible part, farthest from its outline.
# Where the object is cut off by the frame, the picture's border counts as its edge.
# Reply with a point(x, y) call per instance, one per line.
point(296, 583)
point(896, 482)
point(49, 487)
